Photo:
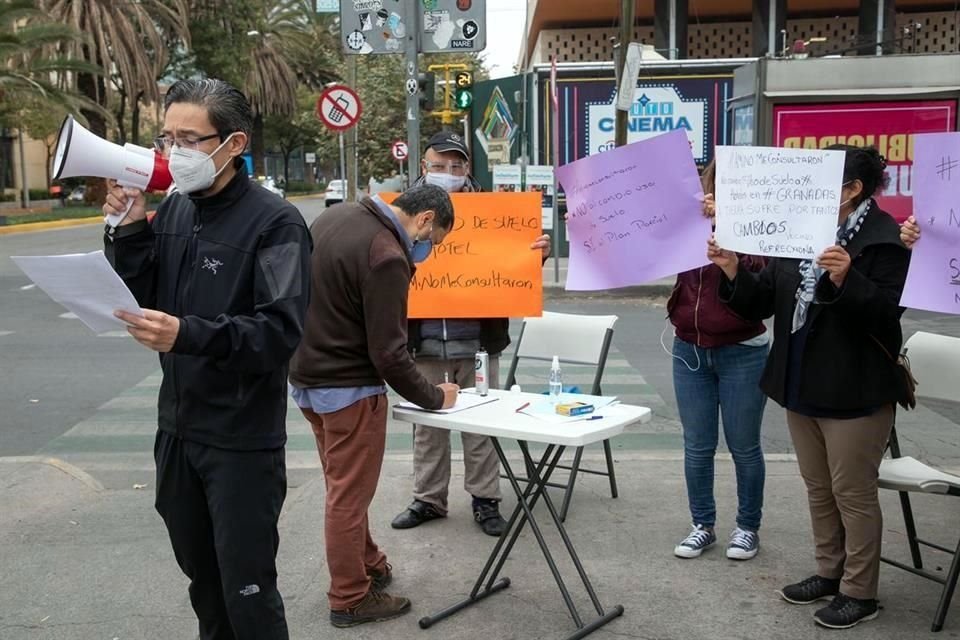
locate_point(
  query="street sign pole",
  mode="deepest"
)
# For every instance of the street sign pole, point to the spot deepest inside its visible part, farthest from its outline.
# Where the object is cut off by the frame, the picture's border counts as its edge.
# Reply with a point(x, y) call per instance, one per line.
point(412, 47)
point(555, 147)
point(343, 164)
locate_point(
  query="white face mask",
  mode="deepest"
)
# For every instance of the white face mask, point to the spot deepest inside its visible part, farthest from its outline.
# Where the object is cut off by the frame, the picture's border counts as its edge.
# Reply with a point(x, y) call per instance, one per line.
point(849, 199)
point(446, 181)
point(193, 170)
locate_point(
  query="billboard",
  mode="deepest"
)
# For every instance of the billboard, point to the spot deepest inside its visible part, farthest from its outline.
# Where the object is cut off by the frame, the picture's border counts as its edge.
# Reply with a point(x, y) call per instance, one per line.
point(888, 126)
point(694, 104)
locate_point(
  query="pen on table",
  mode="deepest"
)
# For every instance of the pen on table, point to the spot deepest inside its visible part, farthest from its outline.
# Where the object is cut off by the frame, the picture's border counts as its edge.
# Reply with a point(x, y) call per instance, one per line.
point(595, 418)
point(522, 407)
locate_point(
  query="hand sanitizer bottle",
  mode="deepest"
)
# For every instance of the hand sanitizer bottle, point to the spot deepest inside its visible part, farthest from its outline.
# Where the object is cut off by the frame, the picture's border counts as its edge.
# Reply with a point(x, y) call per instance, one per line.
point(556, 381)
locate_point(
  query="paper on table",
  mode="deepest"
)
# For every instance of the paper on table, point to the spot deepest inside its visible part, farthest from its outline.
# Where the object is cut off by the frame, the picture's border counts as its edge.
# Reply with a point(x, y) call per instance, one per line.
point(85, 284)
point(464, 401)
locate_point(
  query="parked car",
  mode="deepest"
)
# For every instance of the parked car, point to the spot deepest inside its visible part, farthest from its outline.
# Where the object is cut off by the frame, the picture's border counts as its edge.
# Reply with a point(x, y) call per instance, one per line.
point(270, 185)
point(78, 194)
point(336, 192)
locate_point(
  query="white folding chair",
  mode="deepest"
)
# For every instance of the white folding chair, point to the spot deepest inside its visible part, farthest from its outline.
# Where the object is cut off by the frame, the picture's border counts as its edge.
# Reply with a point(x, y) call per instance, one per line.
point(575, 340)
point(935, 361)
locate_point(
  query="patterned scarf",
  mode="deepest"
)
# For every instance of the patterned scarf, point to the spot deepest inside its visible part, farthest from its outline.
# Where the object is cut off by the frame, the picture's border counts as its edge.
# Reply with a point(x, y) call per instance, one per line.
point(811, 273)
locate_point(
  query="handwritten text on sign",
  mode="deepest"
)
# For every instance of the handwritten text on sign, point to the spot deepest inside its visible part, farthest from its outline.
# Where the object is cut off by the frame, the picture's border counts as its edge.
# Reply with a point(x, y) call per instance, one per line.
point(933, 281)
point(485, 268)
point(778, 202)
point(634, 214)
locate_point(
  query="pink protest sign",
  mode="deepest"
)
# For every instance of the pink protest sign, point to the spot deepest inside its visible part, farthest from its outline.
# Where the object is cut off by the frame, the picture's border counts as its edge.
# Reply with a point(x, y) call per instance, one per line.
point(634, 214)
point(933, 281)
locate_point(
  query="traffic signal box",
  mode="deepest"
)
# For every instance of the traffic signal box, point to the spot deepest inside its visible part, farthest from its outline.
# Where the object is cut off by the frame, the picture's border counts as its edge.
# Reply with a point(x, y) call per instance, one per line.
point(457, 91)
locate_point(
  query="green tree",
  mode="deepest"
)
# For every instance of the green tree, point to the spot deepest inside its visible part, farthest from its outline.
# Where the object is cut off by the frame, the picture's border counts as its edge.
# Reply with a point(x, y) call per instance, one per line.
point(287, 135)
point(33, 70)
point(41, 119)
point(380, 84)
point(287, 38)
point(126, 36)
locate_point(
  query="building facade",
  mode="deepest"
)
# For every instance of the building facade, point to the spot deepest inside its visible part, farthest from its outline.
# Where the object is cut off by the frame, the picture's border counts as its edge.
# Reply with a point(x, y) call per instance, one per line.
point(581, 31)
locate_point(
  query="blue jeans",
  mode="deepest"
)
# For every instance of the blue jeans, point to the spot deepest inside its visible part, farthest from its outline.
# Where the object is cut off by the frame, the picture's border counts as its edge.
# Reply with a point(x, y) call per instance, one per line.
point(726, 382)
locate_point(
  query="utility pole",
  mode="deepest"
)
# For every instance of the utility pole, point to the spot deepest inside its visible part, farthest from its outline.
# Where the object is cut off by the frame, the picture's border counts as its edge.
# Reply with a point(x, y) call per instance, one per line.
point(351, 167)
point(411, 62)
point(628, 12)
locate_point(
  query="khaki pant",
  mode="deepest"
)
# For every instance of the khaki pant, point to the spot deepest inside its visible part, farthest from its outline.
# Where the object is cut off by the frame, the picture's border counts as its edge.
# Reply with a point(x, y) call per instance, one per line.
point(351, 443)
point(431, 447)
point(839, 461)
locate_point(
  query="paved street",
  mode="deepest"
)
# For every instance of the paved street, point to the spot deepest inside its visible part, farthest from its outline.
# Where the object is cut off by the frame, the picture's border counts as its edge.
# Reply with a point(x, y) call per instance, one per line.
point(78, 542)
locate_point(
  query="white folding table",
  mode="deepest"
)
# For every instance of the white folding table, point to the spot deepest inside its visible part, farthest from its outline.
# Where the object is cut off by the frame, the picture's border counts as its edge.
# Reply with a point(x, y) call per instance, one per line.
point(498, 420)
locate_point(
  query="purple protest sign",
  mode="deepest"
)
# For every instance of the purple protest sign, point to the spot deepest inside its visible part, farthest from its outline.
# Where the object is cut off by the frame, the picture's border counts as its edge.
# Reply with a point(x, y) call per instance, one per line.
point(933, 281)
point(634, 214)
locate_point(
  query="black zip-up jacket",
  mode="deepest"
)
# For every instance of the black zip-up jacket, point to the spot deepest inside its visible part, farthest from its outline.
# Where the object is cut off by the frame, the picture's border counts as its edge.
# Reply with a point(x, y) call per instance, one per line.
point(235, 268)
point(843, 368)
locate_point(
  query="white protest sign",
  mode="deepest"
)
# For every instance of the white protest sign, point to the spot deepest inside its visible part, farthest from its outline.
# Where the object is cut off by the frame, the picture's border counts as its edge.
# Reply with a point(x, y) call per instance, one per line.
point(778, 202)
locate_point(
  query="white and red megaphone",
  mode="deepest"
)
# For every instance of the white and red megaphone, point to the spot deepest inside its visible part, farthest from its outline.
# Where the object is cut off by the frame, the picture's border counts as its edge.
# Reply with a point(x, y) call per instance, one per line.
point(81, 153)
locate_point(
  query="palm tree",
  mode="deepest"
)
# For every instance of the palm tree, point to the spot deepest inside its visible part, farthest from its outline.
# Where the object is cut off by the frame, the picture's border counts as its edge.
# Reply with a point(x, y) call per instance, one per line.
point(33, 73)
point(293, 45)
point(123, 34)
point(25, 68)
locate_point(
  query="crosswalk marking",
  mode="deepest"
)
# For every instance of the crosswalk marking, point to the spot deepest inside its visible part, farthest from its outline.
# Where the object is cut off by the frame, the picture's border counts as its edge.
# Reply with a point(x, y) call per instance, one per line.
point(69, 315)
point(5, 333)
point(121, 432)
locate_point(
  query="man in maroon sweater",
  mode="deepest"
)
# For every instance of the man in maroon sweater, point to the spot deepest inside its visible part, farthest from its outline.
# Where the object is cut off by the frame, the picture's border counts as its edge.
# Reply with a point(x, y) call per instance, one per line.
point(355, 339)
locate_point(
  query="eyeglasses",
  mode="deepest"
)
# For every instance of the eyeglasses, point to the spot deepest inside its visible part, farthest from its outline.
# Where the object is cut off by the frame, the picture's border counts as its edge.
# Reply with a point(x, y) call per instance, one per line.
point(455, 168)
point(163, 143)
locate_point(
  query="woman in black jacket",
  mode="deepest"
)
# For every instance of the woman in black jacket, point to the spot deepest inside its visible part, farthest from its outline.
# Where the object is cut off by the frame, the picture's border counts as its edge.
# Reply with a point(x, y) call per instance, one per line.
point(836, 328)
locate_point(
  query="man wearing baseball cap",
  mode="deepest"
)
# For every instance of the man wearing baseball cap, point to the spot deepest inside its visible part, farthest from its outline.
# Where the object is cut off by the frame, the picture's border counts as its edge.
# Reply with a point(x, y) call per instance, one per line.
point(448, 348)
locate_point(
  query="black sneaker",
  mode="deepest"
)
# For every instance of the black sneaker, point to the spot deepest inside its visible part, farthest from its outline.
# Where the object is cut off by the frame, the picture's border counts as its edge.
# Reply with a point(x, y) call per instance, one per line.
point(697, 541)
point(845, 612)
point(810, 590)
point(487, 515)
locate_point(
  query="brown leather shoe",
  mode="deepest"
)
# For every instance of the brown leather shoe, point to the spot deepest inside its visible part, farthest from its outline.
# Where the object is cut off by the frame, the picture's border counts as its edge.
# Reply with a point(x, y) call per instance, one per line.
point(381, 580)
point(376, 606)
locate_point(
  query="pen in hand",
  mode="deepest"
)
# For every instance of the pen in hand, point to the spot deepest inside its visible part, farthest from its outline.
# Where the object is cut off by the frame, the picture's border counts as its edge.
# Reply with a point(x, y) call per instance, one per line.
point(446, 378)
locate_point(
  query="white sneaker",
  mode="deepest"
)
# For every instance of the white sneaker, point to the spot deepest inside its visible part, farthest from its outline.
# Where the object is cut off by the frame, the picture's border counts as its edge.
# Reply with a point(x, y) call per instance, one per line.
point(699, 540)
point(743, 544)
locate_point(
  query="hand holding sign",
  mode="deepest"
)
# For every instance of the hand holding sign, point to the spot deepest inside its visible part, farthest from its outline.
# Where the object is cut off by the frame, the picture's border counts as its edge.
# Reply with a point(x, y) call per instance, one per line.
point(778, 202)
point(910, 232)
point(635, 214)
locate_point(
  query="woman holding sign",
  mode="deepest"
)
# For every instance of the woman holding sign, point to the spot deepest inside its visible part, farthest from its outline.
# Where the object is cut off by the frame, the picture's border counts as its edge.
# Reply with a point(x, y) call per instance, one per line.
point(717, 361)
point(837, 325)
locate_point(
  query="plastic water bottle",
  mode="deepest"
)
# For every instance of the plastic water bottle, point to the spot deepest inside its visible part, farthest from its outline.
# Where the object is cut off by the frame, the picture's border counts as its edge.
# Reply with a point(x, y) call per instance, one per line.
point(556, 381)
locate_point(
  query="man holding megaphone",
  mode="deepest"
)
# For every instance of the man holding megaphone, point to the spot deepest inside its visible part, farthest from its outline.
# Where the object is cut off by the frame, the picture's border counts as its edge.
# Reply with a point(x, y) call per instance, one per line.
point(223, 274)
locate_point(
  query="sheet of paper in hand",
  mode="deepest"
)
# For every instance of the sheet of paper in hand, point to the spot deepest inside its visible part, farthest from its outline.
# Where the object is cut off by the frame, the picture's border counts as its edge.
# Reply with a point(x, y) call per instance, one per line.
point(634, 214)
point(85, 284)
point(778, 202)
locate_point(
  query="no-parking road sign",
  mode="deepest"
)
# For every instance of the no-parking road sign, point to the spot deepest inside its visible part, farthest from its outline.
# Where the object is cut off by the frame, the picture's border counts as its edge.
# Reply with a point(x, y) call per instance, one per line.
point(339, 108)
point(399, 151)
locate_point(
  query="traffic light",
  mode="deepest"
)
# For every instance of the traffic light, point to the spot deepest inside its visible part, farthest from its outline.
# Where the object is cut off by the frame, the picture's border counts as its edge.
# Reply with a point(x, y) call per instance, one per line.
point(463, 95)
point(464, 79)
point(427, 83)
point(463, 99)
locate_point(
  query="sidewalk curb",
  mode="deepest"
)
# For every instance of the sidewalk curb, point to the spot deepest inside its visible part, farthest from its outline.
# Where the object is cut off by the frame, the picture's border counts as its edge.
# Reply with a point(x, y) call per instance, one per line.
point(61, 465)
point(49, 225)
point(558, 292)
point(305, 196)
